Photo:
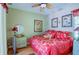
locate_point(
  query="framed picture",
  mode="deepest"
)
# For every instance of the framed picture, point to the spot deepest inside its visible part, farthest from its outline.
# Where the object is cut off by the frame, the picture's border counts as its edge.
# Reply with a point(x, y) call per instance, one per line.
point(54, 22)
point(67, 20)
point(38, 25)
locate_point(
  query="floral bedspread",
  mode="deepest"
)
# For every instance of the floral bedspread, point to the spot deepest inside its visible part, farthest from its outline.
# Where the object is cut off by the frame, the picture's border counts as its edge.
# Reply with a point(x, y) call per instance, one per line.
point(43, 46)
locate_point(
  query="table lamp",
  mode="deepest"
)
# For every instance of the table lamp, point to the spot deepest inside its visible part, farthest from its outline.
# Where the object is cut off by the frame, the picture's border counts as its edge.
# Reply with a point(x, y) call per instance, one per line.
point(18, 29)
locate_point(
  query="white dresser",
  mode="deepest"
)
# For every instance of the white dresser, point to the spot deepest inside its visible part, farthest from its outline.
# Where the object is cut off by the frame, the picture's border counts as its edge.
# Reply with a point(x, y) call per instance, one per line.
point(21, 42)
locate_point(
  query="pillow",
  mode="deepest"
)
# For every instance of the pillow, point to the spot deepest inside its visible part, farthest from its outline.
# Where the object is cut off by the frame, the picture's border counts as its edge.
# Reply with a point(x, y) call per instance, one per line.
point(47, 36)
point(51, 32)
point(67, 33)
point(61, 35)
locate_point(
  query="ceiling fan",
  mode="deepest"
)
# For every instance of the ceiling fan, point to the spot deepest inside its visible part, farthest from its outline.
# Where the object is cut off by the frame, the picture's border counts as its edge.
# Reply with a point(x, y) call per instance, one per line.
point(43, 5)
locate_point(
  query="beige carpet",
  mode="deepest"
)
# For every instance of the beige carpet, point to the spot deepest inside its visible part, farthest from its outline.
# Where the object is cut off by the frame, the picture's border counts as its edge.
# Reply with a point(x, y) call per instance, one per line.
point(26, 51)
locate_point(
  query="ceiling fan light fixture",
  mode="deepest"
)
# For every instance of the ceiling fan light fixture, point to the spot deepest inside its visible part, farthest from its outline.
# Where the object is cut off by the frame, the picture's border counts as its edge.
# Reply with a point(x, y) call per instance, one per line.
point(43, 5)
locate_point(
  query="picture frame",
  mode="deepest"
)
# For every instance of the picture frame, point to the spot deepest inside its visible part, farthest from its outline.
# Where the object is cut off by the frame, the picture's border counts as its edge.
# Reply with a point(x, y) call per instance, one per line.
point(54, 22)
point(67, 20)
point(38, 24)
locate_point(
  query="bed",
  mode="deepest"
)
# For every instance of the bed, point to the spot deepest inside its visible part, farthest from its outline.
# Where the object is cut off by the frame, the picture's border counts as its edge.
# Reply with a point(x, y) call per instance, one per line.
point(56, 45)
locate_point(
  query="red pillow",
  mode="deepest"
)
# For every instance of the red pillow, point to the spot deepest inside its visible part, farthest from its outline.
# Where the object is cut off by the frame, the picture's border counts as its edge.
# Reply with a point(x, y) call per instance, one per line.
point(65, 35)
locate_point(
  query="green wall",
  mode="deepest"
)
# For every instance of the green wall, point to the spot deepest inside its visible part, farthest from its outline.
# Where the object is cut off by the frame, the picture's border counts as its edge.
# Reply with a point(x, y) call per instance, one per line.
point(16, 16)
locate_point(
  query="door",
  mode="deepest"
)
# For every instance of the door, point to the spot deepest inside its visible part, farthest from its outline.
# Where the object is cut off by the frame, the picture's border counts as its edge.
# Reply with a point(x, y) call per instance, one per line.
point(3, 40)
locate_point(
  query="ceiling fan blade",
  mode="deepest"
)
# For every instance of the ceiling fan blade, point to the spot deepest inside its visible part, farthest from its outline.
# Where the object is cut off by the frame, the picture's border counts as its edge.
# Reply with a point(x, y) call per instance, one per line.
point(9, 3)
point(49, 5)
point(36, 5)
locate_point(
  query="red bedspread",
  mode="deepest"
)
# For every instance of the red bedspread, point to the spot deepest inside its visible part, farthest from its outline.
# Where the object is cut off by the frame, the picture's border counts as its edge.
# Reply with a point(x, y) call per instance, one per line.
point(43, 46)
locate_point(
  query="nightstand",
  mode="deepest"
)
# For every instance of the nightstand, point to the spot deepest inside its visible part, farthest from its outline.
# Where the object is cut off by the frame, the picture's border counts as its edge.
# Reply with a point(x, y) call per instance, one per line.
point(21, 42)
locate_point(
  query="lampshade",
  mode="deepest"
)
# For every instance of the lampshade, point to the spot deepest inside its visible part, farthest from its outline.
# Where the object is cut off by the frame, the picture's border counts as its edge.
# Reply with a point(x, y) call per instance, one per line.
point(19, 29)
point(43, 5)
point(14, 29)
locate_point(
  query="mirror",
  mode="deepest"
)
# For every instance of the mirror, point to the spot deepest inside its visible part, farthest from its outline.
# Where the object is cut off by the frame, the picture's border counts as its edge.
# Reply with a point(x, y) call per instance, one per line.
point(20, 29)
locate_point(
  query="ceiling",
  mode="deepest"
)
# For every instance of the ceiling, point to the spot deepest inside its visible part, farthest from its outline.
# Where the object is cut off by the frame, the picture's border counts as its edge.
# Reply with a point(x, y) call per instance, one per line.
point(28, 7)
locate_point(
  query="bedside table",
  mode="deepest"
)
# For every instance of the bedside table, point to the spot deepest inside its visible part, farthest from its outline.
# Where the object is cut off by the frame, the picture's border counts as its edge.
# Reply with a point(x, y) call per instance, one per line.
point(21, 42)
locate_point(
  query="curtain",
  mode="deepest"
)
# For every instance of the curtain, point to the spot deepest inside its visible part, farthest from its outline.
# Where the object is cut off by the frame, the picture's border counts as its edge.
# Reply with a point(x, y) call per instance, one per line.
point(75, 12)
point(4, 5)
